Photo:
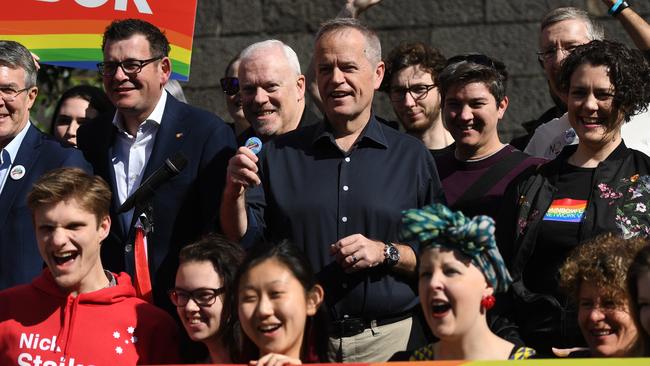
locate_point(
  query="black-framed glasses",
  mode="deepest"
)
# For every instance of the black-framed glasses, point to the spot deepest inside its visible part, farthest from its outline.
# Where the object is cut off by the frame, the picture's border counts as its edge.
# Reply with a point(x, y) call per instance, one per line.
point(109, 68)
point(550, 52)
point(230, 85)
point(418, 92)
point(201, 296)
point(9, 94)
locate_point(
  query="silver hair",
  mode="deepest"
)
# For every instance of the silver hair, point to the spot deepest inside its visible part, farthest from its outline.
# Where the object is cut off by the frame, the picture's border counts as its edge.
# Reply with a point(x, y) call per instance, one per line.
point(14, 55)
point(373, 45)
point(594, 30)
point(289, 53)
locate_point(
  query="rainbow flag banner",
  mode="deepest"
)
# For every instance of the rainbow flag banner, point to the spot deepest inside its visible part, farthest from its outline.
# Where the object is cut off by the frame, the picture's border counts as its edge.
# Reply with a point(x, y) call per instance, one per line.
point(69, 32)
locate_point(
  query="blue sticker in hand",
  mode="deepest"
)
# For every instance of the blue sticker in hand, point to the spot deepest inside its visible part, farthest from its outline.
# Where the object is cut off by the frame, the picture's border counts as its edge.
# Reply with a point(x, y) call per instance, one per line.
point(254, 144)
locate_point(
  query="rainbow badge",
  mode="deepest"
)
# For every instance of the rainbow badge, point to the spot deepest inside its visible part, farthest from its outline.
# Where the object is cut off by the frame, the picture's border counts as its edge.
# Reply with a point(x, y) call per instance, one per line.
point(566, 210)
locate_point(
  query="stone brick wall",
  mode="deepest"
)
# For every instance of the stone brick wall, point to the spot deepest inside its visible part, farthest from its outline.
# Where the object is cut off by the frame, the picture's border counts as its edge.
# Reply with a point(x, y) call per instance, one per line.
point(505, 29)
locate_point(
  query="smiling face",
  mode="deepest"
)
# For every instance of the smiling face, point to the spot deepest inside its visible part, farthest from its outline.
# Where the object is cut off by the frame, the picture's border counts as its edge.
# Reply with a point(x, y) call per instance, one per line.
point(643, 301)
point(201, 323)
point(450, 290)
point(590, 107)
point(563, 36)
point(14, 114)
point(471, 114)
point(347, 80)
point(271, 92)
point(415, 115)
point(273, 308)
point(74, 112)
point(606, 325)
point(69, 239)
point(135, 95)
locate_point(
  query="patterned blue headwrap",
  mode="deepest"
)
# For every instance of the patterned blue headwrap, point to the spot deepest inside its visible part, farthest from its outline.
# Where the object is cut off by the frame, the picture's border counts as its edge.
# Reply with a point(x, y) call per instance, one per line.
point(438, 226)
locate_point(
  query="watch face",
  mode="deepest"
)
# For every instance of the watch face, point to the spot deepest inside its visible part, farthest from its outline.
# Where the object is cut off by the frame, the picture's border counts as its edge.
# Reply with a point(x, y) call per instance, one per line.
point(392, 255)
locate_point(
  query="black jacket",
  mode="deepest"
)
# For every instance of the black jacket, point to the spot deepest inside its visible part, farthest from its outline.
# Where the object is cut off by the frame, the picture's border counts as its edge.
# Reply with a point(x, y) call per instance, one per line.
point(543, 319)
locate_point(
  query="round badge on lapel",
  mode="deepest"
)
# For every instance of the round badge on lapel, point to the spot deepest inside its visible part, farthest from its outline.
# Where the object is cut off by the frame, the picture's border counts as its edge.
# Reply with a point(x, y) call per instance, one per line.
point(17, 172)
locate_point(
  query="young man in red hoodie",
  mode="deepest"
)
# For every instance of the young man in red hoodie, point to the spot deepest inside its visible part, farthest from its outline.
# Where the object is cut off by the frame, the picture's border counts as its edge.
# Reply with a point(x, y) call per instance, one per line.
point(76, 313)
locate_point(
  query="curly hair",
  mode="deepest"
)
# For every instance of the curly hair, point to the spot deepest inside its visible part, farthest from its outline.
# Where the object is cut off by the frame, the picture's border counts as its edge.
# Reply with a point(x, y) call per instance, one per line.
point(628, 71)
point(603, 262)
point(408, 54)
point(639, 267)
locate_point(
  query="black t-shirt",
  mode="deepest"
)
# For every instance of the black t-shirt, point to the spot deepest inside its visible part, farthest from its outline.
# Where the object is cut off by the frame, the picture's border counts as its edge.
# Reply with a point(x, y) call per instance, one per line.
point(559, 231)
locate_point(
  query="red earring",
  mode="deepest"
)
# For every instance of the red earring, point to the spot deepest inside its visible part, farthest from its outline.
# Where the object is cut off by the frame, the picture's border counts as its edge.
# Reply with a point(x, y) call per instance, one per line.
point(488, 302)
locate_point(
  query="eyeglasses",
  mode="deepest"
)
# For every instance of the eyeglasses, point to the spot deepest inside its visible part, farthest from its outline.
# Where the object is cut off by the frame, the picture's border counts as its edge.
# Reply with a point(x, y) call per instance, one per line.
point(418, 92)
point(201, 296)
point(9, 94)
point(128, 66)
point(550, 52)
point(230, 85)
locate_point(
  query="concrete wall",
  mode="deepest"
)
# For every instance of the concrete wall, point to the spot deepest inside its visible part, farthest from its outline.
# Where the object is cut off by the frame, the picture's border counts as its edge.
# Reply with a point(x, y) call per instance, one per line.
point(505, 29)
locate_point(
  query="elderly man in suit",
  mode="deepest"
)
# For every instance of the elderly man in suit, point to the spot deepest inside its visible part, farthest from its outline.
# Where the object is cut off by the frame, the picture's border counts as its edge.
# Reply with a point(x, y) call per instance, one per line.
point(25, 154)
point(126, 148)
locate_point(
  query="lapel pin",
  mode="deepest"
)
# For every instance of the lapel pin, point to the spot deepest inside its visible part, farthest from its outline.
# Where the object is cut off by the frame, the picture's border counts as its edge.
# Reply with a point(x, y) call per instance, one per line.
point(179, 135)
point(17, 172)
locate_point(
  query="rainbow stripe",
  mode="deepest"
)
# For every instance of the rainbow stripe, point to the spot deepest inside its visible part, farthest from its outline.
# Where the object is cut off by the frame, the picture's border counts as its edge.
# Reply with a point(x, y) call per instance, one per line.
point(67, 34)
point(566, 210)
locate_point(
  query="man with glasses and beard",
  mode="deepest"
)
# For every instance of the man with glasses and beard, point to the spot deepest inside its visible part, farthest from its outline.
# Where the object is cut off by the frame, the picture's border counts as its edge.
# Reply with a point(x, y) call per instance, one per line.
point(126, 148)
point(410, 81)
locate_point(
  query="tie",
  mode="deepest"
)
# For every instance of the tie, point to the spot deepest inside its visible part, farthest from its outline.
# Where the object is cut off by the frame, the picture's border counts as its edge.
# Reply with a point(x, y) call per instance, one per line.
point(142, 279)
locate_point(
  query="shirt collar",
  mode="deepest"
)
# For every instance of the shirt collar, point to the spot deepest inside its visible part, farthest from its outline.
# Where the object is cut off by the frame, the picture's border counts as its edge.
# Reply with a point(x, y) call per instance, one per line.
point(13, 146)
point(155, 116)
point(372, 133)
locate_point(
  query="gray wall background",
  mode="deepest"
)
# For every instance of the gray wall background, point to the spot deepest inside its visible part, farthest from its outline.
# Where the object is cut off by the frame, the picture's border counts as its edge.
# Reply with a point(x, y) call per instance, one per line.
point(504, 29)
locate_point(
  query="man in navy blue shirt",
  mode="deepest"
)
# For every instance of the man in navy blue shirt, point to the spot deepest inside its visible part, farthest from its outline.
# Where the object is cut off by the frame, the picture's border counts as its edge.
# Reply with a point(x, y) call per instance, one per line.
point(336, 189)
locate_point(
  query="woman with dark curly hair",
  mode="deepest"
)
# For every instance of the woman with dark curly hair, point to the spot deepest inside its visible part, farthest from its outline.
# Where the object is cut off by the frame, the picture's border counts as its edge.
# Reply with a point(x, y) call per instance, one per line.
point(594, 276)
point(638, 284)
point(594, 187)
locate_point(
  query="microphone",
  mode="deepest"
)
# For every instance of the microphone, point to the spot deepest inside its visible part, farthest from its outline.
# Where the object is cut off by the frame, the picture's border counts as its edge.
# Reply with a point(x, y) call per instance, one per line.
point(171, 168)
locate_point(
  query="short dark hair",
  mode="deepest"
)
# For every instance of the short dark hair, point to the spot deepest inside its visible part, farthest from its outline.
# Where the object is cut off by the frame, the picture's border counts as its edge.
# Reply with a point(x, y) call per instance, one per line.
point(408, 54)
point(95, 97)
point(14, 55)
point(90, 191)
point(474, 68)
point(628, 72)
point(120, 30)
point(225, 257)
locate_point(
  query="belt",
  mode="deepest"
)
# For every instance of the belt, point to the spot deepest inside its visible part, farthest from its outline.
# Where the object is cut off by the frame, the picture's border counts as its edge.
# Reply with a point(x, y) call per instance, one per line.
point(348, 327)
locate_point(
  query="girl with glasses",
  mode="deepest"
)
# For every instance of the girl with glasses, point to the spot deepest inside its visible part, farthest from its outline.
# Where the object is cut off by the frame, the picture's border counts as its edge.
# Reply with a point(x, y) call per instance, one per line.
point(278, 303)
point(204, 296)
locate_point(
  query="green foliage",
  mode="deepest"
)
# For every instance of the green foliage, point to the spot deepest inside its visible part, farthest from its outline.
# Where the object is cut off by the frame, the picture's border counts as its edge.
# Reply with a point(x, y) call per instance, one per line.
point(52, 82)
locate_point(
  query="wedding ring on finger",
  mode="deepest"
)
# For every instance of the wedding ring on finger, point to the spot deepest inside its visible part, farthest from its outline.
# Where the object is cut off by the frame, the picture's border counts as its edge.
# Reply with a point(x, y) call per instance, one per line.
point(354, 258)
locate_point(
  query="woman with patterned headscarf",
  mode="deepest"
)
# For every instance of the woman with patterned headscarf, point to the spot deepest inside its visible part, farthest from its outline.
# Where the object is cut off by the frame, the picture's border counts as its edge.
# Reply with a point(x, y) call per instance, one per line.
point(460, 270)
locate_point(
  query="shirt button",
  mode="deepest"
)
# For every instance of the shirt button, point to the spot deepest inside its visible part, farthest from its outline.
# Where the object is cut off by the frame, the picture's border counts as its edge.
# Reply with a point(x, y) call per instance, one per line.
point(128, 248)
point(344, 285)
point(345, 188)
point(347, 159)
point(344, 219)
point(346, 316)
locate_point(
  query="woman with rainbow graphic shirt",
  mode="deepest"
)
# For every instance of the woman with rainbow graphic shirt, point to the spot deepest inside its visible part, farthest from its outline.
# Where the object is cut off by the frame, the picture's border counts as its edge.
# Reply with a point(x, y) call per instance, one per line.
point(594, 187)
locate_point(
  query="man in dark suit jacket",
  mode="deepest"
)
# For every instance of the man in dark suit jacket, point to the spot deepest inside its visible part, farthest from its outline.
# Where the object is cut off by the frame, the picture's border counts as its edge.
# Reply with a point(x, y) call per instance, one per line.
point(25, 154)
point(150, 126)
